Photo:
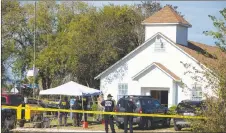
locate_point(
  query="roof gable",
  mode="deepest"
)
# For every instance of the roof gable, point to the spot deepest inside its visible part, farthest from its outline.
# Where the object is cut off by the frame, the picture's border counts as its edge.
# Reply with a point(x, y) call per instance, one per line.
point(136, 49)
point(192, 52)
point(159, 66)
point(166, 15)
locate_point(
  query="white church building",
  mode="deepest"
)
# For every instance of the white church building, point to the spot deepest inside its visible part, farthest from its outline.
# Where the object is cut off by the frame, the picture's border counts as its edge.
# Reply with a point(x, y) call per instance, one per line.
point(156, 67)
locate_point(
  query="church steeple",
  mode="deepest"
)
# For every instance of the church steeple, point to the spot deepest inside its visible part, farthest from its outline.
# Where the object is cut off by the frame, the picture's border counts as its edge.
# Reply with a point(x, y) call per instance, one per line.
point(168, 22)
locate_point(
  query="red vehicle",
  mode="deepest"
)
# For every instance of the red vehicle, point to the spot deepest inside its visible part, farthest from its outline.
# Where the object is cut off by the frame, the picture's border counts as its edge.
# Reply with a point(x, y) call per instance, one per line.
point(8, 117)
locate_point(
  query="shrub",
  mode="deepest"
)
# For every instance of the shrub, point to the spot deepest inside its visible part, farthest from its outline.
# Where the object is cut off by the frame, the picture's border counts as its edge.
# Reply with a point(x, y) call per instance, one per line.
point(94, 107)
point(172, 110)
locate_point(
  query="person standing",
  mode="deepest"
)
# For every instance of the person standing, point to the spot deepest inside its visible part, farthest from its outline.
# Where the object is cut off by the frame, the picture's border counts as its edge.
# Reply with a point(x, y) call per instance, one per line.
point(129, 108)
point(64, 105)
point(77, 116)
point(108, 107)
point(85, 107)
point(100, 107)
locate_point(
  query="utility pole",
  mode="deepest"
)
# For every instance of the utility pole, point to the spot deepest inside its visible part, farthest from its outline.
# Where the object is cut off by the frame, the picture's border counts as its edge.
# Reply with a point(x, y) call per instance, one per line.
point(34, 49)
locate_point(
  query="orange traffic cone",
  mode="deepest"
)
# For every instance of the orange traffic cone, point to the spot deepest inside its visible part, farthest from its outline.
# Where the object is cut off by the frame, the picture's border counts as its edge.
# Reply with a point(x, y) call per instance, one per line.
point(103, 122)
point(85, 124)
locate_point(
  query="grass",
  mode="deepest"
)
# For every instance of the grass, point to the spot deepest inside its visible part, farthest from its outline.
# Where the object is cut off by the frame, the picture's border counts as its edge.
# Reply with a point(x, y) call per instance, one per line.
point(94, 126)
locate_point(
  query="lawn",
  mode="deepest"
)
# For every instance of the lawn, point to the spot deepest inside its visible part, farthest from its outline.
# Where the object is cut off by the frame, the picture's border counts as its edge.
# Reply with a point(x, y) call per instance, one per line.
point(95, 126)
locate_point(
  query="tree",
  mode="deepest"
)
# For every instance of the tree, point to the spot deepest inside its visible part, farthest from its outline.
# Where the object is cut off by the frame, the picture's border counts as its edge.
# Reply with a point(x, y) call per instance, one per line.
point(74, 41)
point(16, 38)
point(215, 111)
point(220, 34)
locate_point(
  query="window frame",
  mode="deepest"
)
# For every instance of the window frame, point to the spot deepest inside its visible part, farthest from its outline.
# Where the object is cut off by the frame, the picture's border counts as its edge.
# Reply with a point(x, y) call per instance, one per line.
point(196, 92)
point(122, 90)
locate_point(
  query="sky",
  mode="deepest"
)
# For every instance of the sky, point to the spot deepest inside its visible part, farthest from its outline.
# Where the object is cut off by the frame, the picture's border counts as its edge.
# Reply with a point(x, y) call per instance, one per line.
point(196, 13)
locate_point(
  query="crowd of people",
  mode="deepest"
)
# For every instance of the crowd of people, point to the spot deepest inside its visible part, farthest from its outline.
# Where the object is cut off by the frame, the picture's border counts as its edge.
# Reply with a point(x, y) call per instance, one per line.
point(77, 105)
point(107, 105)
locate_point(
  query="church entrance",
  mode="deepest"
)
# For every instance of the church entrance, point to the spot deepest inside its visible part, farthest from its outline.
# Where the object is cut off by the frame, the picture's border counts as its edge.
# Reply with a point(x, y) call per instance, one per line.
point(162, 96)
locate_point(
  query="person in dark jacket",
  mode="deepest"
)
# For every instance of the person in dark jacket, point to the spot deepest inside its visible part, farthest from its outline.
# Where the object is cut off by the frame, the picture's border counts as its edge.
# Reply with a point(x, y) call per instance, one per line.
point(108, 107)
point(85, 106)
point(129, 108)
point(77, 116)
point(64, 105)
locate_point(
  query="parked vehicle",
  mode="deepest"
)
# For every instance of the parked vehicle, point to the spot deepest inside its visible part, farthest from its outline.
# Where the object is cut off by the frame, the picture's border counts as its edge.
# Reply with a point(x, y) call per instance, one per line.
point(186, 108)
point(8, 116)
point(145, 104)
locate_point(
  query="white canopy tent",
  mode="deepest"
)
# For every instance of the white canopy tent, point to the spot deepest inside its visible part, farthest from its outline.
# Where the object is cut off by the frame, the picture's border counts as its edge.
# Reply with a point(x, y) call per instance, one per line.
point(14, 90)
point(71, 89)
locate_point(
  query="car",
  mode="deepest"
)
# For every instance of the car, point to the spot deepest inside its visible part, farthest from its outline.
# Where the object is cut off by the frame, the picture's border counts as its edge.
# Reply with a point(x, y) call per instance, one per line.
point(186, 108)
point(145, 104)
point(8, 117)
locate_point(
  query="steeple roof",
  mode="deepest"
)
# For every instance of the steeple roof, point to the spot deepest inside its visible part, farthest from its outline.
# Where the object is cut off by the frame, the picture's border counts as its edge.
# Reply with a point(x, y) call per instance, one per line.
point(166, 15)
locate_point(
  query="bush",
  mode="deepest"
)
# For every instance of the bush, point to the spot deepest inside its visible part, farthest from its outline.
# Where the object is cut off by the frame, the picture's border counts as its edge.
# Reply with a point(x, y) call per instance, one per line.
point(94, 107)
point(215, 113)
point(172, 110)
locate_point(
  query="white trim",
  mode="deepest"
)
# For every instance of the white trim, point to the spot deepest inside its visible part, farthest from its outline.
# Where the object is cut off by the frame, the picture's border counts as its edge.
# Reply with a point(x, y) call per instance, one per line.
point(163, 36)
point(149, 66)
point(185, 25)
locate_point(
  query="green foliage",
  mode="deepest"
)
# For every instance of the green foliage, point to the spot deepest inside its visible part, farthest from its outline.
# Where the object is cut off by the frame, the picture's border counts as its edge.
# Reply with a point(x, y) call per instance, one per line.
point(215, 110)
point(95, 108)
point(172, 110)
point(74, 40)
point(219, 35)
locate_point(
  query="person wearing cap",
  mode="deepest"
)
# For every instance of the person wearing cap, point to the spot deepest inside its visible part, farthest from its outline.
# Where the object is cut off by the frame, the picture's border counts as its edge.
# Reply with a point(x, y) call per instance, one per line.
point(129, 108)
point(108, 107)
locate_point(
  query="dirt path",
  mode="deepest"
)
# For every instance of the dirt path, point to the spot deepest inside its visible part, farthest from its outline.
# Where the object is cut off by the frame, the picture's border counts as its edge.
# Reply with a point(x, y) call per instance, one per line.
point(51, 130)
point(92, 128)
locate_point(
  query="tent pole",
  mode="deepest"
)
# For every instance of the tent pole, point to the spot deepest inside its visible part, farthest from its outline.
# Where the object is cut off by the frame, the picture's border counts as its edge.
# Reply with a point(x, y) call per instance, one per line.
point(83, 110)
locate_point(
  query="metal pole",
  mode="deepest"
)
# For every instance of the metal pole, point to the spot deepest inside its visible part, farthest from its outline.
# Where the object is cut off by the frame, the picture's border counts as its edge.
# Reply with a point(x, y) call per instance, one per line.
point(34, 48)
point(83, 110)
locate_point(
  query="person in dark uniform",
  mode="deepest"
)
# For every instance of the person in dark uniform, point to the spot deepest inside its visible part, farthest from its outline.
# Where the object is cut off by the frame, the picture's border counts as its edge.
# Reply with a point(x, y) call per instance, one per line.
point(109, 107)
point(129, 108)
point(64, 105)
point(77, 116)
point(85, 106)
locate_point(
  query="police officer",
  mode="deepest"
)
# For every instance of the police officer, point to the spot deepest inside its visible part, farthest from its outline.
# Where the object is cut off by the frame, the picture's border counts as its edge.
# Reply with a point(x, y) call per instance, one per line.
point(64, 105)
point(129, 108)
point(77, 116)
point(85, 107)
point(109, 107)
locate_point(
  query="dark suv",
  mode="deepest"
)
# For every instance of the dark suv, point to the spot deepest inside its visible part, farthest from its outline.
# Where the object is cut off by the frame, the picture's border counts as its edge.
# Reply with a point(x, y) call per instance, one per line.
point(8, 117)
point(145, 104)
point(186, 108)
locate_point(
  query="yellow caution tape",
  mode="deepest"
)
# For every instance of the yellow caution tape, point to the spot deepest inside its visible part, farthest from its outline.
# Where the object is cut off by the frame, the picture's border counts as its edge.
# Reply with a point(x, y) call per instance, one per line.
point(18, 112)
point(27, 115)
